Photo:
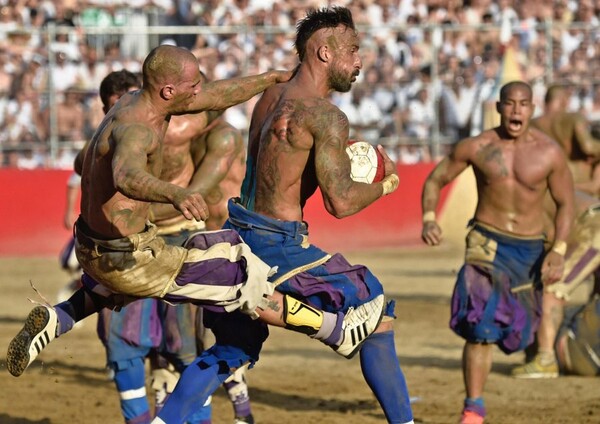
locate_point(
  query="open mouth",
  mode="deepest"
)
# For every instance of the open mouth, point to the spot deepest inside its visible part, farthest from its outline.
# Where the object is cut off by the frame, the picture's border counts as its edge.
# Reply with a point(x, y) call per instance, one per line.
point(515, 124)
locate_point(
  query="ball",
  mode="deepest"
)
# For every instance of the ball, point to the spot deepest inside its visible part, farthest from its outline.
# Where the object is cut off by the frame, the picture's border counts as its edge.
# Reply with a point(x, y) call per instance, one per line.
point(366, 163)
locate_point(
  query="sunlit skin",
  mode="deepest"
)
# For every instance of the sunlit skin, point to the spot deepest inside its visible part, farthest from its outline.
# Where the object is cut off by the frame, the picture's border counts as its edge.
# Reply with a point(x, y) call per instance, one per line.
point(572, 131)
point(124, 161)
point(208, 157)
point(298, 138)
point(204, 153)
point(514, 167)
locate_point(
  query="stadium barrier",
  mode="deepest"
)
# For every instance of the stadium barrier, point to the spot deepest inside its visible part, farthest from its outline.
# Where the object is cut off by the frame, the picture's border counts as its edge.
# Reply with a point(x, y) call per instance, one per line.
point(33, 205)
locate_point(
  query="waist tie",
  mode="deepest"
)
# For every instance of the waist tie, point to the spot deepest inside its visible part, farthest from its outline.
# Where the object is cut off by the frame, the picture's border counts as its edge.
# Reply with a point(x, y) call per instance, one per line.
point(131, 243)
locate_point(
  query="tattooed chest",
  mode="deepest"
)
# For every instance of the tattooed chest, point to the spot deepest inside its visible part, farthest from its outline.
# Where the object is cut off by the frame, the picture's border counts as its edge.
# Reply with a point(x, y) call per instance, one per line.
point(497, 164)
point(494, 162)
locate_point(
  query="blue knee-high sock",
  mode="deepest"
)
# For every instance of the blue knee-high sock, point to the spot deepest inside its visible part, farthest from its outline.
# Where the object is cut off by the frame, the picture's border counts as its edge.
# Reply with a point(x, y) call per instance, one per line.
point(381, 369)
point(195, 385)
point(131, 384)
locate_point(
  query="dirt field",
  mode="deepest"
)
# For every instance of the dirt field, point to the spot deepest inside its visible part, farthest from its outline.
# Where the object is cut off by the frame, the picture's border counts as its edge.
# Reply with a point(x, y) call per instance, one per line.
point(297, 380)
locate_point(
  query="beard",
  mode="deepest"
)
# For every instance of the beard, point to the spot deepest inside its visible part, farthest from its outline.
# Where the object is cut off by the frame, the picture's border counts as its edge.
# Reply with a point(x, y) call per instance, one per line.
point(339, 81)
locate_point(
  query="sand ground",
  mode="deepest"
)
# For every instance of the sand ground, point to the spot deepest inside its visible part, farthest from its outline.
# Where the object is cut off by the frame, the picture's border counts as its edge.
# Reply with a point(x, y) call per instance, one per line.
point(297, 380)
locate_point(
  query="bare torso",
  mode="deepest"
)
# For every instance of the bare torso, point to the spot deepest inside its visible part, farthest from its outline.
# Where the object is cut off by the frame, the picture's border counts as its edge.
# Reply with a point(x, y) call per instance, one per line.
point(512, 179)
point(221, 151)
point(178, 166)
point(70, 121)
point(108, 212)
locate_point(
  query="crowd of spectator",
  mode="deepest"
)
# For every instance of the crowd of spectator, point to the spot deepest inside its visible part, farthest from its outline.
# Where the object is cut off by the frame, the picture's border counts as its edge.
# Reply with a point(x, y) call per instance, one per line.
point(429, 66)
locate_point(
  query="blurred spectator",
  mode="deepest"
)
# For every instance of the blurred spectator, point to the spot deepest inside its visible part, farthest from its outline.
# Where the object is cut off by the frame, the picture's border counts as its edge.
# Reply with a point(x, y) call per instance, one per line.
point(414, 152)
point(399, 56)
point(70, 116)
point(420, 115)
point(363, 113)
point(33, 158)
point(6, 76)
point(21, 121)
point(65, 73)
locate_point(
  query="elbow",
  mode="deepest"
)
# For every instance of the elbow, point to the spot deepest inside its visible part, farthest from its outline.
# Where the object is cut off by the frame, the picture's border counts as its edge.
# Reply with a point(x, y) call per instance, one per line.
point(340, 208)
point(120, 182)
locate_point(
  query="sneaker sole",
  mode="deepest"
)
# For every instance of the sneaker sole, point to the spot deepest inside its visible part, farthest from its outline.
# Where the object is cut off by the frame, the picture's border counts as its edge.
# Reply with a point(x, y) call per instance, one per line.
point(538, 375)
point(359, 345)
point(34, 332)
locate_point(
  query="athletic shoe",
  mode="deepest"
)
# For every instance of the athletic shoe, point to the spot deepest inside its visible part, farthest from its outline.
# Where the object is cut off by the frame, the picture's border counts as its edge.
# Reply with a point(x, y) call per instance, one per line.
point(248, 419)
point(470, 417)
point(535, 369)
point(359, 323)
point(38, 331)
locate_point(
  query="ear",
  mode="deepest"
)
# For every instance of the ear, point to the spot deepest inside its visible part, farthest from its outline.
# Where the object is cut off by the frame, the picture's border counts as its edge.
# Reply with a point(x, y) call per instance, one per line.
point(498, 107)
point(167, 92)
point(323, 53)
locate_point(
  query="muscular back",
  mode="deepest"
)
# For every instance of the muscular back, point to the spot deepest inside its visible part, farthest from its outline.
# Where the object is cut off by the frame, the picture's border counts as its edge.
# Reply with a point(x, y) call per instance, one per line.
point(282, 149)
point(127, 134)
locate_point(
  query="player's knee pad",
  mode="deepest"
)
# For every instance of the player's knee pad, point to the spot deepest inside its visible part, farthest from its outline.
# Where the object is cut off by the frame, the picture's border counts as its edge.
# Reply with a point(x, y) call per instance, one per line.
point(130, 381)
point(301, 317)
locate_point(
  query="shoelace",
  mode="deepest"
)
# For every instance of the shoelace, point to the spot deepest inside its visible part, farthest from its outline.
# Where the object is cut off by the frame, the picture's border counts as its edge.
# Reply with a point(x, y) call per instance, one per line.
point(44, 301)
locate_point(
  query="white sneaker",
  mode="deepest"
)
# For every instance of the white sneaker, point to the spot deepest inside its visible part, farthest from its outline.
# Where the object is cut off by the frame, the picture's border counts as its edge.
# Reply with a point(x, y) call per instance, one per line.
point(38, 331)
point(359, 323)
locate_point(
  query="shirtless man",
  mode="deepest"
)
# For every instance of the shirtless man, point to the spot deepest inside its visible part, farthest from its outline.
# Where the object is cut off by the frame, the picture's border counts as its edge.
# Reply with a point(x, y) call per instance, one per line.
point(202, 152)
point(497, 297)
point(206, 153)
point(297, 144)
point(572, 131)
point(118, 248)
point(581, 265)
point(171, 344)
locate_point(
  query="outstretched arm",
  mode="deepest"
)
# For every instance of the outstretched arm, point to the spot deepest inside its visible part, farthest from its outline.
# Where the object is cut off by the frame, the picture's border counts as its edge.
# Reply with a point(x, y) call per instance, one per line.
point(221, 94)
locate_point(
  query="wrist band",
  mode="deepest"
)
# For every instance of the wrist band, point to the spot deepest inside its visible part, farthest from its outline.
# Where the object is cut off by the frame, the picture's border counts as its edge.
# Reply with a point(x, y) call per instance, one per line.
point(390, 184)
point(429, 216)
point(560, 247)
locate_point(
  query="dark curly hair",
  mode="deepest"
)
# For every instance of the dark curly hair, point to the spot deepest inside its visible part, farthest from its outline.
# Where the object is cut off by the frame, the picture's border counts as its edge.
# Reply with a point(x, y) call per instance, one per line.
point(118, 82)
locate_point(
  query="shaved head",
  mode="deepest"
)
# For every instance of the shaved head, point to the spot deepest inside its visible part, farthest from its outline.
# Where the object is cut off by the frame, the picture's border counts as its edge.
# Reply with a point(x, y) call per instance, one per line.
point(164, 64)
point(507, 88)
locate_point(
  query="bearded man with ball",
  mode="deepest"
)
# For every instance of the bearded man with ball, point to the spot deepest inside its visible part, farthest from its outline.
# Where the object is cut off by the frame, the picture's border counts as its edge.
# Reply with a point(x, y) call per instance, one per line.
point(297, 143)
